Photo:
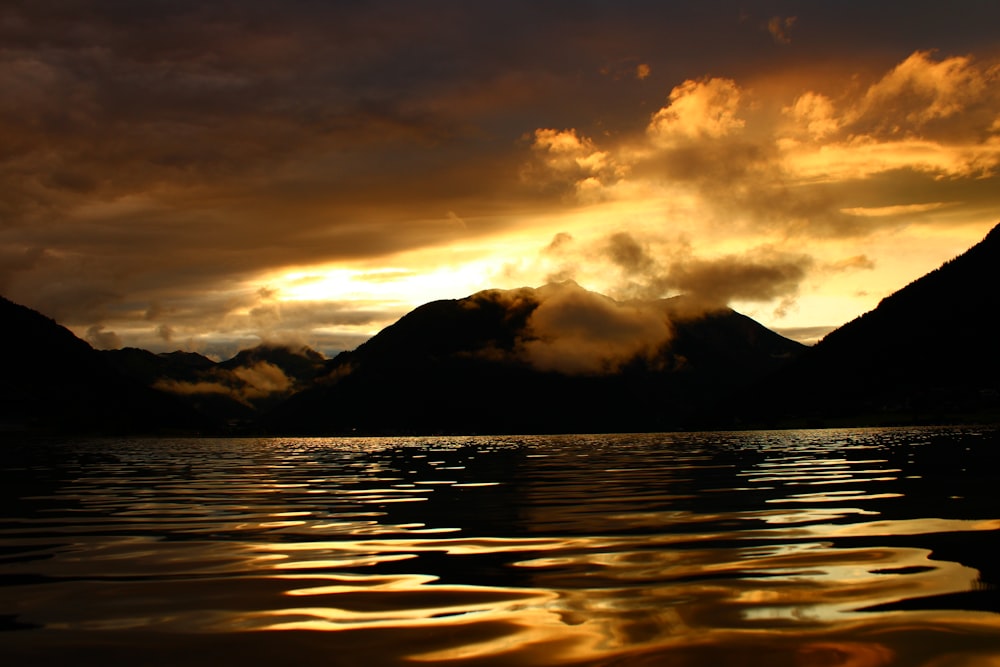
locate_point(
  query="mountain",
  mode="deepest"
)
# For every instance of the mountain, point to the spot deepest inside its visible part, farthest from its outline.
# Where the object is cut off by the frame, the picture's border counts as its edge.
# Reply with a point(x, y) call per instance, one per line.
point(553, 359)
point(927, 354)
point(54, 382)
point(148, 367)
point(234, 391)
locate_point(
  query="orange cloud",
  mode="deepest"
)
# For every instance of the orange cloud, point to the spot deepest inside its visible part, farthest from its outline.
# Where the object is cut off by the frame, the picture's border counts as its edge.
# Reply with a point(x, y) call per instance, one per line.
point(698, 110)
point(182, 155)
point(814, 113)
point(570, 159)
point(920, 90)
point(778, 164)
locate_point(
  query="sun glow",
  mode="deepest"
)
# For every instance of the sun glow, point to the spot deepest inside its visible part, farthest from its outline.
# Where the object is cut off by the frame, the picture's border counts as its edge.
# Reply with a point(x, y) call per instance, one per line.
point(401, 286)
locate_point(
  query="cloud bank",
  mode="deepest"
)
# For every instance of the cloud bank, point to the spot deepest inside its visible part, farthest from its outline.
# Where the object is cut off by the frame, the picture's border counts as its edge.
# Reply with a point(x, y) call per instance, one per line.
point(162, 163)
point(244, 384)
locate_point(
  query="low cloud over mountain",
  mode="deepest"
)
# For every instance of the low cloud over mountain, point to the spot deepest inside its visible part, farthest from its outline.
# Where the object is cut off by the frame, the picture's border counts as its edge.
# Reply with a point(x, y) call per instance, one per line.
point(577, 332)
point(554, 358)
point(236, 389)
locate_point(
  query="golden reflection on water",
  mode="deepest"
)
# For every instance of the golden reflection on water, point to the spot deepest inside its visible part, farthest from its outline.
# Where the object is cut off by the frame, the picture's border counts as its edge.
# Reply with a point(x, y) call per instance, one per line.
point(595, 598)
point(798, 555)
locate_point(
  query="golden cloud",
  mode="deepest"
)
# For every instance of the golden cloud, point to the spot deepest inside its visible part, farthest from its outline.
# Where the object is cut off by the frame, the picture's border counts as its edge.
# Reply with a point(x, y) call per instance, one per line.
point(920, 89)
point(698, 110)
point(779, 164)
point(815, 114)
point(573, 159)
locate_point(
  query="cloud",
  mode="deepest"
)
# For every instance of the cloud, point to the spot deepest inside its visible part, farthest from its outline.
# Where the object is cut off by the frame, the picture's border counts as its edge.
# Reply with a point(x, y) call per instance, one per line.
point(792, 166)
point(166, 332)
point(924, 115)
point(920, 90)
point(232, 141)
point(16, 260)
point(559, 242)
point(760, 275)
point(262, 379)
point(103, 339)
point(628, 254)
point(180, 153)
point(244, 384)
point(816, 114)
point(578, 332)
point(852, 264)
point(219, 324)
point(698, 110)
point(642, 266)
point(572, 162)
point(781, 28)
point(896, 210)
point(186, 388)
point(574, 331)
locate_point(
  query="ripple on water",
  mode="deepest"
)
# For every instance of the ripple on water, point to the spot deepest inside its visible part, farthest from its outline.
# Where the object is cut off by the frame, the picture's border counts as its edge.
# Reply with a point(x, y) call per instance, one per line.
point(868, 547)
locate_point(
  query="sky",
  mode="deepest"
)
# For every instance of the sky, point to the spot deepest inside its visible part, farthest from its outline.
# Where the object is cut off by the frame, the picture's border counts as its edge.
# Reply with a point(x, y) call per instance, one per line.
point(208, 175)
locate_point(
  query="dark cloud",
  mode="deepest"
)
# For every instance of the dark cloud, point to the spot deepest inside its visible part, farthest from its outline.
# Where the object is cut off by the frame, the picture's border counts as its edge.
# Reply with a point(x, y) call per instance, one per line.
point(781, 28)
point(156, 157)
point(166, 332)
point(102, 339)
point(628, 254)
point(16, 260)
point(763, 275)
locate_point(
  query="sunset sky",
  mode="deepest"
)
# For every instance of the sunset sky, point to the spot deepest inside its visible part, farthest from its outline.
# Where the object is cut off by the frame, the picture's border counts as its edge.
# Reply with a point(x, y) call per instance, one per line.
point(205, 175)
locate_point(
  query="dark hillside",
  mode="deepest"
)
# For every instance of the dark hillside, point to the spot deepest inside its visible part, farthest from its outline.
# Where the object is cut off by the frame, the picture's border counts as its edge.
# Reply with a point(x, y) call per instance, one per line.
point(55, 382)
point(927, 353)
point(460, 366)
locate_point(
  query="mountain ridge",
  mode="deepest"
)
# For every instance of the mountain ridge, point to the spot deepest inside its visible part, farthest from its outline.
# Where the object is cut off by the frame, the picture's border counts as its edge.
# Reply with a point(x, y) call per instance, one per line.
point(56, 383)
point(498, 360)
point(557, 358)
point(925, 354)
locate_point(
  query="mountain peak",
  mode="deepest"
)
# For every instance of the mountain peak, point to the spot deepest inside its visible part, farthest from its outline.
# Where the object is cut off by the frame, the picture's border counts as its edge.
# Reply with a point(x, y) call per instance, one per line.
point(554, 358)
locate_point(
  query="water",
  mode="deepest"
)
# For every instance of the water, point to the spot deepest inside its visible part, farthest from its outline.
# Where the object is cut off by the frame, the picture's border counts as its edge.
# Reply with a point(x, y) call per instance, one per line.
point(832, 547)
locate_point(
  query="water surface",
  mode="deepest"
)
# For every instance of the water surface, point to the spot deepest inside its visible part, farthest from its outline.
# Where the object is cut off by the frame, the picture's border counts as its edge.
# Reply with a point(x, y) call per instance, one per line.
point(827, 547)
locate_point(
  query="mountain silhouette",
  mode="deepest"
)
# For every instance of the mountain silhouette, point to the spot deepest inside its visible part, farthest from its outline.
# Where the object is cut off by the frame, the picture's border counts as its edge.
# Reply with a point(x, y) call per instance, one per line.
point(56, 383)
point(557, 358)
point(148, 367)
point(926, 354)
point(552, 359)
point(234, 391)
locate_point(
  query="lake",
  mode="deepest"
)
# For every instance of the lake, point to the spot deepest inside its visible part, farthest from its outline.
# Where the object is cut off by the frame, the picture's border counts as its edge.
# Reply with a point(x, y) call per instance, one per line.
point(854, 547)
